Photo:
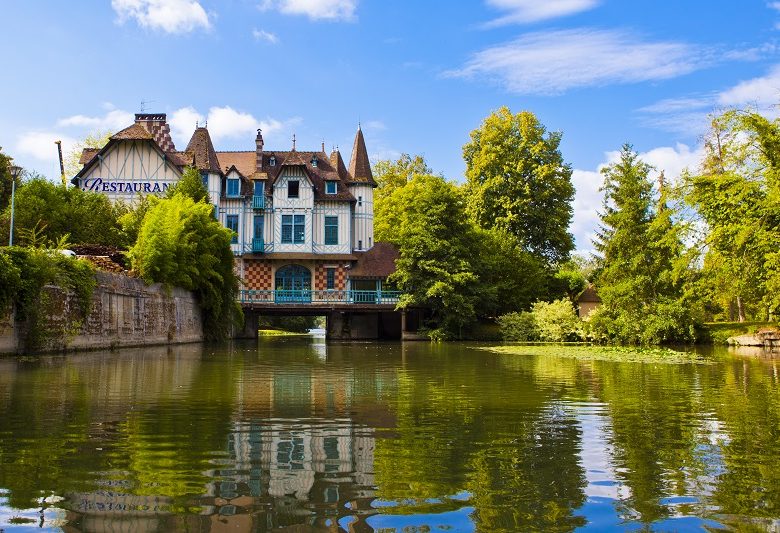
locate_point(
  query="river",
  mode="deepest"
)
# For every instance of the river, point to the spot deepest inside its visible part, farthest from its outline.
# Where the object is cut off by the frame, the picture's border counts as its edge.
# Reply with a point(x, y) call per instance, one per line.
point(297, 434)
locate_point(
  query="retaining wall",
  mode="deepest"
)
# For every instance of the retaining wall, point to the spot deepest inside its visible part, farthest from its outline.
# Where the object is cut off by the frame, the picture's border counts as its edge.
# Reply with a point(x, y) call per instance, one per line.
point(125, 312)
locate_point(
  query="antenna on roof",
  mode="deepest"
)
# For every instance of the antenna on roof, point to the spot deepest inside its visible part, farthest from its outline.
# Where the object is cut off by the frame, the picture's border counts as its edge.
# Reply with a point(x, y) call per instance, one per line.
point(293, 141)
point(145, 103)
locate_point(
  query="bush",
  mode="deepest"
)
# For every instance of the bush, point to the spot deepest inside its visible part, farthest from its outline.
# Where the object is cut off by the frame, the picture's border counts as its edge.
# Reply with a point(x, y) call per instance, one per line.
point(557, 321)
point(664, 321)
point(181, 244)
point(518, 327)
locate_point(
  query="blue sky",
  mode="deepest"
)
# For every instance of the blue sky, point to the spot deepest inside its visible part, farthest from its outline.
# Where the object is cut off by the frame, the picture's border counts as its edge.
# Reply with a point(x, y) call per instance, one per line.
point(418, 76)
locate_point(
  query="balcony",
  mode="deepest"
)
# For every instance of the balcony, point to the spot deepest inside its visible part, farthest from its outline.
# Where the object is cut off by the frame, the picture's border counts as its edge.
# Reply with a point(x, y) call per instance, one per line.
point(258, 245)
point(319, 297)
point(258, 202)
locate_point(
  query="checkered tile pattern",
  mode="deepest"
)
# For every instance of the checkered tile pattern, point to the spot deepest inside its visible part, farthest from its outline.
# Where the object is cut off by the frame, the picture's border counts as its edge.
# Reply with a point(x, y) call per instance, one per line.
point(321, 279)
point(257, 275)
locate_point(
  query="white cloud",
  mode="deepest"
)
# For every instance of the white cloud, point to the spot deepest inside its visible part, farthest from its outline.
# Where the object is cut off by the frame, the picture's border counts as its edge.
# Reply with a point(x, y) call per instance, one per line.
point(223, 123)
point(525, 11)
point(586, 206)
point(170, 16)
point(553, 62)
point(762, 92)
point(40, 145)
point(374, 125)
point(262, 35)
point(314, 9)
point(113, 120)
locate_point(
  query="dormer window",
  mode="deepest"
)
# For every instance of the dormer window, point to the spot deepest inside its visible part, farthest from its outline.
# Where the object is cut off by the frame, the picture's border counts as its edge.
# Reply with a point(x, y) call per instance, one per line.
point(272, 161)
point(233, 187)
point(314, 161)
point(293, 188)
point(330, 187)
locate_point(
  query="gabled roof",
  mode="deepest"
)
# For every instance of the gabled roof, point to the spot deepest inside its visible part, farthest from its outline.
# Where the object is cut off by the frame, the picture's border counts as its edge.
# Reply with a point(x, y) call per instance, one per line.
point(376, 263)
point(589, 295)
point(294, 158)
point(359, 164)
point(87, 154)
point(202, 150)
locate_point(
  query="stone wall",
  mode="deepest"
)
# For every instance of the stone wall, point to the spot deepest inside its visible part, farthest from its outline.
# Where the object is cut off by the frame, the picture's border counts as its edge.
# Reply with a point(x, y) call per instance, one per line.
point(125, 312)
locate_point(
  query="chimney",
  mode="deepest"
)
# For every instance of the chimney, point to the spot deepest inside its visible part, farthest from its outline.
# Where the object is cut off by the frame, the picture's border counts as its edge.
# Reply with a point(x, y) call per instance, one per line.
point(157, 125)
point(259, 150)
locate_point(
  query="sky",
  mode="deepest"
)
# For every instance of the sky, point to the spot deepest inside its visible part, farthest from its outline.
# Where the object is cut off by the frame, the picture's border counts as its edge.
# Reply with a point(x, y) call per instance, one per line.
point(418, 76)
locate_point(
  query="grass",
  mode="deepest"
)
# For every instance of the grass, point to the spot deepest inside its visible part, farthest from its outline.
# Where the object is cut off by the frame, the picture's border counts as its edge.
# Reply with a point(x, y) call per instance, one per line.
point(718, 332)
point(622, 354)
point(278, 333)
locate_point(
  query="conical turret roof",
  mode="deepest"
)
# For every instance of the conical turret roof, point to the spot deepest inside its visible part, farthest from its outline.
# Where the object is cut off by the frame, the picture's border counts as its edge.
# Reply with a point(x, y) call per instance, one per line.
point(359, 164)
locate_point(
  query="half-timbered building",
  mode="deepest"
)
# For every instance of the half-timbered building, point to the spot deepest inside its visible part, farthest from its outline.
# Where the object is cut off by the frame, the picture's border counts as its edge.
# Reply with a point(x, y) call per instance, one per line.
point(301, 220)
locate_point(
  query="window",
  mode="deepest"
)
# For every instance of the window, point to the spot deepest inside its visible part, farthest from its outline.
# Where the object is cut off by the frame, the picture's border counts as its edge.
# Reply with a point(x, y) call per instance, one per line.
point(331, 230)
point(204, 176)
point(259, 188)
point(293, 229)
point(258, 226)
point(272, 161)
point(330, 187)
point(330, 278)
point(314, 161)
point(360, 200)
point(299, 229)
point(232, 187)
point(360, 245)
point(231, 222)
point(293, 188)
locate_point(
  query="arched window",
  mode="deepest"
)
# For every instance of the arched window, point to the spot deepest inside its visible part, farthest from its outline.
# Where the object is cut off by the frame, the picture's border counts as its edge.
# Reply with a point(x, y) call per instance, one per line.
point(293, 284)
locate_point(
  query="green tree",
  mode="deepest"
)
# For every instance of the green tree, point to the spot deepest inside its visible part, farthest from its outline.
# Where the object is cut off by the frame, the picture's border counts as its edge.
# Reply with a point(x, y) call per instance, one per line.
point(643, 265)
point(391, 175)
point(181, 244)
point(190, 185)
point(517, 181)
point(53, 212)
point(436, 241)
point(5, 180)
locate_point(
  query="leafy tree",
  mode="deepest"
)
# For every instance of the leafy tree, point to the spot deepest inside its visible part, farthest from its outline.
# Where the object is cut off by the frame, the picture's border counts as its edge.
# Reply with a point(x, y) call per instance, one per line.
point(557, 321)
point(5, 180)
point(641, 282)
point(181, 244)
point(391, 175)
point(190, 185)
point(517, 181)
point(436, 241)
point(52, 212)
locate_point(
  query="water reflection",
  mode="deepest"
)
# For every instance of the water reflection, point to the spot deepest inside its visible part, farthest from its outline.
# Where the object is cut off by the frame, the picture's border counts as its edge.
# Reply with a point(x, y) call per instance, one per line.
point(303, 436)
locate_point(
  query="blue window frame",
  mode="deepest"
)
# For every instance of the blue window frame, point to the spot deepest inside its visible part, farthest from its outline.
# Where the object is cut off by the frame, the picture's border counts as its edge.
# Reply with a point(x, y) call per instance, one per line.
point(259, 188)
point(330, 187)
point(233, 187)
point(231, 222)
point(331, 230)
point(330, 278)
point(293, 189)
point(293, 229)
point(204, 176)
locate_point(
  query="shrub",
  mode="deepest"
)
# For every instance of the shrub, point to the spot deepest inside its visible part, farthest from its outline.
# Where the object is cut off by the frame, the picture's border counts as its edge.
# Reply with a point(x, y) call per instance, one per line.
point(557, 321)
point(518, 327)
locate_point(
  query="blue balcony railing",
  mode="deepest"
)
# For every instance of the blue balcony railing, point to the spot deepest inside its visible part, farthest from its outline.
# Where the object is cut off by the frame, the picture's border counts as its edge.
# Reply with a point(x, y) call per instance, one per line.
point(258, 245)
point(258, 202)
point(325, 297)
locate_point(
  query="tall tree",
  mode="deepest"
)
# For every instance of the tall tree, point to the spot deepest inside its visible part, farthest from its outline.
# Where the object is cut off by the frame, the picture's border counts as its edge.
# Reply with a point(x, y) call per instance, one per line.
point(390, 175)
point(517, 181)
point(96, 139)
point(736, 194)
point(640, 283)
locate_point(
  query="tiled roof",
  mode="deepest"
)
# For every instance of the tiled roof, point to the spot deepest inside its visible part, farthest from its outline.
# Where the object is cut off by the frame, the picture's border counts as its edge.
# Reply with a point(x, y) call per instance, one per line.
point(202, 150)
point(243, 161)
point(359, 165)
point(134, 132)
point(378, 262)
point(87, 154)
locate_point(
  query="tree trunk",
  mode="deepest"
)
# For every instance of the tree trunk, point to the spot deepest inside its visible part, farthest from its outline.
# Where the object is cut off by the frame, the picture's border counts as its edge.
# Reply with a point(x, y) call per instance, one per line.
point(740, 309)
